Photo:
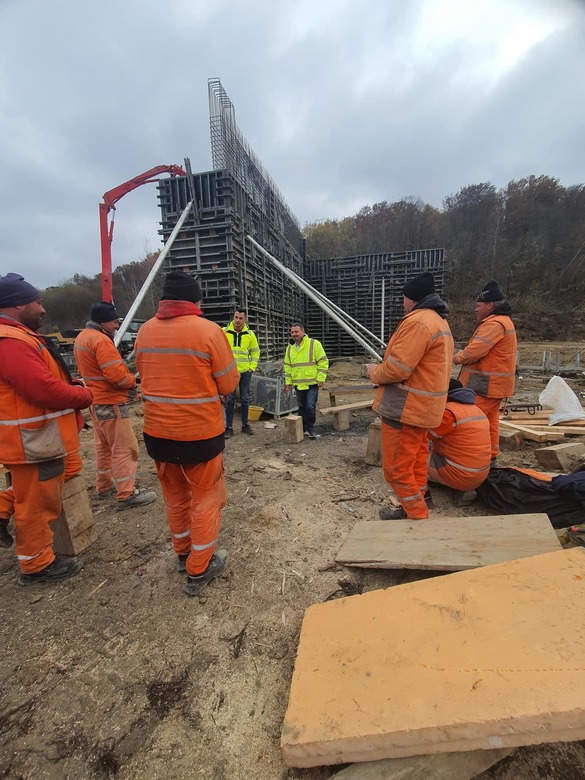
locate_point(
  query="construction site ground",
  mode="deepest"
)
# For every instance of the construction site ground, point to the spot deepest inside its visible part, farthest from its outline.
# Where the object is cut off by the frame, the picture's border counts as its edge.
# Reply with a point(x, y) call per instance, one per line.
point(118, 673)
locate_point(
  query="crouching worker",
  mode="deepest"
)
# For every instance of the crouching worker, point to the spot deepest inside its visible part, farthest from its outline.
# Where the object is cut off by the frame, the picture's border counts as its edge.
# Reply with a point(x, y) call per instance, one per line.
point(461, 445)
point(186, 365)
point(39, 432)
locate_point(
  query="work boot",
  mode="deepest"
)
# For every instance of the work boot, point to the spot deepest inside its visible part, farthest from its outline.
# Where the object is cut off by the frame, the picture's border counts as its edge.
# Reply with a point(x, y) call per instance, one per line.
point(194, 584)
point(138, 499)
point(428, 497)
point(60, 569)
point(182, 564)
point(312, 434)
point(229, 432)
point(5, 535)
point(464, 497)
point(392, 513)
point(248, 430)
point(111, 491)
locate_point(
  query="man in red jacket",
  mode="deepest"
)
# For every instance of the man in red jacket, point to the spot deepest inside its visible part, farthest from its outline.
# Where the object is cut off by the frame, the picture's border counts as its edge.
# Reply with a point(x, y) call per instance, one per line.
point(113, 386)
point(39, 432)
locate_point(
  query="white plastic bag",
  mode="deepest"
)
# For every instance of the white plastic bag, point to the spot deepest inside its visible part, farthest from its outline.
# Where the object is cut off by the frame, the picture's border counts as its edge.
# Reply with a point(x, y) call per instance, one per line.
point(566, 406)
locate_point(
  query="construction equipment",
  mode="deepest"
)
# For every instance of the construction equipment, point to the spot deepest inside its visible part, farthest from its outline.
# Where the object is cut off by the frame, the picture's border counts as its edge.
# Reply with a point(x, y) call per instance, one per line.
point(107, 231)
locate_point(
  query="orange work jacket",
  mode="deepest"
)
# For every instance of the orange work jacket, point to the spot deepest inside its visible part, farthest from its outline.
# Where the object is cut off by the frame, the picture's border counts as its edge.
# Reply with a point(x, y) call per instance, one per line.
point(489, 360)
point(414, 377)
point(462, 445)
point(30, 433)
point(102, 368)
point(185, 365)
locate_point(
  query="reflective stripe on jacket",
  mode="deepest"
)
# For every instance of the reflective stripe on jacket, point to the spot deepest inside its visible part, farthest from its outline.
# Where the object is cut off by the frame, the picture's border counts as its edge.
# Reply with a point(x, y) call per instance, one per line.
point(102, 368)
point(185, 365)
point(244, 346)
point(489, 360)
point(305, 366)
point(414, 377)
point(462, 442)
point(30, 433)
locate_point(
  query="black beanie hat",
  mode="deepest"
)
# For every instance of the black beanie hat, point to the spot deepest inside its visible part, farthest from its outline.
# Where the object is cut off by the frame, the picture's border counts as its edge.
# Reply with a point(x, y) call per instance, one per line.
point(491, 292)
point(419, 287)
point(103, 312)
point(14, 291)
point(454, 384)
point(180, 286)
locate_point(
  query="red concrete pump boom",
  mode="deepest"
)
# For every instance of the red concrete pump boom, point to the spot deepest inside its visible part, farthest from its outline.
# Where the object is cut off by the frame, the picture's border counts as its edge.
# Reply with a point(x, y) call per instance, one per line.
point(107, 231)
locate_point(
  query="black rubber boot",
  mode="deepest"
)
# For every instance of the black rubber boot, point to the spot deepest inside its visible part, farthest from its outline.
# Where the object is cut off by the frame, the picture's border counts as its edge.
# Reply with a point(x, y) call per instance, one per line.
point(61, 569)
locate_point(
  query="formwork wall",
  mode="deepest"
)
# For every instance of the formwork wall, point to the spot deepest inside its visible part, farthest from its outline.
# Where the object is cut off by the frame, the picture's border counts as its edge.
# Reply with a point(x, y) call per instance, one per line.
point(369, 289)
point(231, 272)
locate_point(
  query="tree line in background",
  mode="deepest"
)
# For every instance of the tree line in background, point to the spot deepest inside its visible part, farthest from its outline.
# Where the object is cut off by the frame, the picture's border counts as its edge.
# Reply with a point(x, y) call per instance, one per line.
point(529, 235)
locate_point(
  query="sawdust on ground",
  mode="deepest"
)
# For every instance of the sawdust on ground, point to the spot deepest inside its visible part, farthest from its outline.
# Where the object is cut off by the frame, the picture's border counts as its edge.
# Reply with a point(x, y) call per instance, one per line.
point(117, 673)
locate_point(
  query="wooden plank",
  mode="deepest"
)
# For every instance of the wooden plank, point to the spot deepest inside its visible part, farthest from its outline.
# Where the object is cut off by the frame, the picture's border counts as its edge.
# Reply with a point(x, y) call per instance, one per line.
point(532, 434)
point(347, 407)
point(351, 389)
point(469, 661)
point(374, 449)
point(538, 421)
point(74, 529)
point(447, 543)
point(440, 766)
point(570, 429)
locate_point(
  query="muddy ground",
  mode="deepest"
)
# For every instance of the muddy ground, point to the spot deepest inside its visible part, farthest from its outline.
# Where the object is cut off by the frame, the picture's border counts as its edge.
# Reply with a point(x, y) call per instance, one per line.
point(117, 673)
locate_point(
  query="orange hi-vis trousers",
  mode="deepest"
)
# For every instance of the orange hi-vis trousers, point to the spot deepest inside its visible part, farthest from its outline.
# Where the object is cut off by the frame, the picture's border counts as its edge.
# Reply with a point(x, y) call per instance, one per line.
point(35, 501)
point(194, 495)
point(116, 453)
point(404, 461)
point(491, 408)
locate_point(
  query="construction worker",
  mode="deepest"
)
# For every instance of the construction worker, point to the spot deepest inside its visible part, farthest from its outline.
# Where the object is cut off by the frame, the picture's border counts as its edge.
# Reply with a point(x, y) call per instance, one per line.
point(305, 369)
point(39, 432)
point(113, 388)
point(489, 359)
point(413, 382)
point(460, 444)
point(186, 365)
point(246, 353)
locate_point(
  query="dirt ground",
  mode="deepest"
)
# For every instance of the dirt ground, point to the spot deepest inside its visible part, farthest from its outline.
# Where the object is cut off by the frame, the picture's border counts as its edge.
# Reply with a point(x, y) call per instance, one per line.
point(117, 673)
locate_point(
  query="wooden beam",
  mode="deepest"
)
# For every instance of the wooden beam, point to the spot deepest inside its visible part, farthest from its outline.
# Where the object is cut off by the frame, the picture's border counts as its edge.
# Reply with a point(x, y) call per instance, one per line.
point(533, 434)
point(347, 407)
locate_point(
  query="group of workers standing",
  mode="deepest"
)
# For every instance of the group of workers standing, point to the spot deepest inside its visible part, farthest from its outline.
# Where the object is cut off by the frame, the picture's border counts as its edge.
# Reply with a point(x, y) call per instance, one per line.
point(190, 369)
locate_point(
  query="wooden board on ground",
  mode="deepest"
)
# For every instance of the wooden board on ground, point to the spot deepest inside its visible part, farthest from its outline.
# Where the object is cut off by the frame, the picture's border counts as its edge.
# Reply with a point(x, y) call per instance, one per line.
point(468, 661)
point(74, 530)
point(447, 543)
point(569, 429)
point(533, 434)
point(440, 766)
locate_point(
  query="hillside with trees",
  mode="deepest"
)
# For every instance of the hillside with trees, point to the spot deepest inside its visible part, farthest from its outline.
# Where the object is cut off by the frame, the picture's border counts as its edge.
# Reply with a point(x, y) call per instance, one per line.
point(529, 235)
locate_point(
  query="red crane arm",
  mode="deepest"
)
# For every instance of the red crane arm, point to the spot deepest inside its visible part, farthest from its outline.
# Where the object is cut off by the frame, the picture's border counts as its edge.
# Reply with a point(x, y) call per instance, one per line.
point(107, 232)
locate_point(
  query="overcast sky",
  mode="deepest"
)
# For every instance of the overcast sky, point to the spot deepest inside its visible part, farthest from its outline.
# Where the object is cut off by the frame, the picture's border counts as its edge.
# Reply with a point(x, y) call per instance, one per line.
point(346, 102)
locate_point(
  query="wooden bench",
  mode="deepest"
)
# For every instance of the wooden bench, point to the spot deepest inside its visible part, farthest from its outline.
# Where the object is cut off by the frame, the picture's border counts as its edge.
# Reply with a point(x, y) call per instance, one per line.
point(341, 413)
point(344, 390)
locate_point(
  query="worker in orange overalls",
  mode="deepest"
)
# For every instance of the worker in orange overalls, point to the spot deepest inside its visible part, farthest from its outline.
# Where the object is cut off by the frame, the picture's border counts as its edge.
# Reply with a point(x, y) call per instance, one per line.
point(113, 387)
point(413, 379)
point(186, 366)
point(460, 444)
point(39, 432)
point(489, 360)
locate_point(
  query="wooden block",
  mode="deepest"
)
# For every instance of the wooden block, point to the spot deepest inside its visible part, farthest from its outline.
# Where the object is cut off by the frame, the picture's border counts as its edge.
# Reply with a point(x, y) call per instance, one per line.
point(510, 440)
point(7, 476)
point(468, 661)
point(374, 450)
point(561, 457)
point(341, 420)
point(293, 429)
point(441, 766)
point(74, 529)
point(447, 543)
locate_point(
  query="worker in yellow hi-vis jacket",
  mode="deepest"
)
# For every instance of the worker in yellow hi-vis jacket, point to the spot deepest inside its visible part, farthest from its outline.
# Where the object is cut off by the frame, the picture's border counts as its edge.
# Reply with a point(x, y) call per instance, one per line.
point(305, 369)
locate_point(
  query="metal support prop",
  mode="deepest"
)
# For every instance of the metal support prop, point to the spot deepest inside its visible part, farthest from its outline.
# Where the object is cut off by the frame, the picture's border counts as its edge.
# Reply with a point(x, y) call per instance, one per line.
point(306, 288)
point(153, 272)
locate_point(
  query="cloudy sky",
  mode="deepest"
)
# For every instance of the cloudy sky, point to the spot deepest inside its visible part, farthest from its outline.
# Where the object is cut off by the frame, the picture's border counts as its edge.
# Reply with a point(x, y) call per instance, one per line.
point(346, 102)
